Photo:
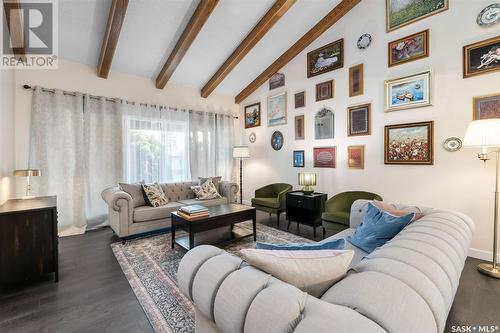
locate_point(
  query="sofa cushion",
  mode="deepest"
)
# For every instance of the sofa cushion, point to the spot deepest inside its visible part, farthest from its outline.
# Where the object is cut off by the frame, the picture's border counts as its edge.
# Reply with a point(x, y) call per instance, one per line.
point(339, 217)
point(211, 202)
point(154, 195)
point(215, 180)
point(148, 213)
point(206, 191)
point(359, 254)
point(136, 192)
point(326, 244)
point(266, 202)
point(179, 191)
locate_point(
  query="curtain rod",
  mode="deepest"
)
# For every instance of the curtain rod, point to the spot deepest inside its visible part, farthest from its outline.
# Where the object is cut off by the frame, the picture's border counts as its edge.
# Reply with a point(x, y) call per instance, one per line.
point(114, 100)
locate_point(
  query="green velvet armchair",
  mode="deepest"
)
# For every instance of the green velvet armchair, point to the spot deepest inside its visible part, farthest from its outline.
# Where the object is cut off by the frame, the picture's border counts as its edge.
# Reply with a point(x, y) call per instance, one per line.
point(338, 209)
point(271, 199)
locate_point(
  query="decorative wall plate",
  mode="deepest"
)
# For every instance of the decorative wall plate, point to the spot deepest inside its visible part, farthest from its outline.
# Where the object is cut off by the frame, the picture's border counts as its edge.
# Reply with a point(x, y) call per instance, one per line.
point(277, 140)
point(489, 16)
point(452, 144)
point(252, 137)
point(364, 41)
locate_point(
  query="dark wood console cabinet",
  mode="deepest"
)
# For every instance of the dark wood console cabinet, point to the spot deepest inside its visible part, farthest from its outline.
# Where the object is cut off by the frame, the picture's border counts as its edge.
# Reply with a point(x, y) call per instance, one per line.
point(305, 208)
point(28, 240)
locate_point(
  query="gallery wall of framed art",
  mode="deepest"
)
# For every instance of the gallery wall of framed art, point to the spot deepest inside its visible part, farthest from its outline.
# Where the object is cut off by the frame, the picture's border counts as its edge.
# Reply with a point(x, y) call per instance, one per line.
point(413, 73)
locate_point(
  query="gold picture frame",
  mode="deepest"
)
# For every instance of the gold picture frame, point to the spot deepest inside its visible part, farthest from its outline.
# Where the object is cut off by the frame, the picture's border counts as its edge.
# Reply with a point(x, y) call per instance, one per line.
point(493, 107)
point(356, 157)
point(429, 6)
point(408, 41)
point(474, 53)
point(365, 111)
point(356, 80)
point(401, 152)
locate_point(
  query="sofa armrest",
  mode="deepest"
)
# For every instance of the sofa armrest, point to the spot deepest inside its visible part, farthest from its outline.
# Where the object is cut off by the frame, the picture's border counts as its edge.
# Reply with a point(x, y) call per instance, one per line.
point(111, 196)
point(236, 297)
point(229, 190)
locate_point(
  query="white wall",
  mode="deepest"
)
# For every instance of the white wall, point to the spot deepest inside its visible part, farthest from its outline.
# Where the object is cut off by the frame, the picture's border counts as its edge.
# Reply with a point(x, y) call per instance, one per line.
point(456, 181)
point(7, 156)
point(73, 76)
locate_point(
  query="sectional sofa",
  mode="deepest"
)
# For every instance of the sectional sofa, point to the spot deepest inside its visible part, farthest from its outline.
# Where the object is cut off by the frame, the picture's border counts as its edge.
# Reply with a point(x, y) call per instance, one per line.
point(407, 285)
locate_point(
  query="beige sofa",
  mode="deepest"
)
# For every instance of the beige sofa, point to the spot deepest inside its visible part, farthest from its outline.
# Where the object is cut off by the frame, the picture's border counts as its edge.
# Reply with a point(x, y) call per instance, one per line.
point(127, 220)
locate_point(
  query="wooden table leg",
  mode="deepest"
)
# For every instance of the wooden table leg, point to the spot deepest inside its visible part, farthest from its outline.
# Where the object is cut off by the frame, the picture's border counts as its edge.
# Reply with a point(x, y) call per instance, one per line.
point(173, 233)
point(191, 239)
point(254, 222)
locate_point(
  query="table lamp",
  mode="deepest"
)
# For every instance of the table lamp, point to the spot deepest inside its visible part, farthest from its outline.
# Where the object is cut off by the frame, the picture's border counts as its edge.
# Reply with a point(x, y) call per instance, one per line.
point(307, 180)
point(241, 152)
point(27, 173)
point(486, 134)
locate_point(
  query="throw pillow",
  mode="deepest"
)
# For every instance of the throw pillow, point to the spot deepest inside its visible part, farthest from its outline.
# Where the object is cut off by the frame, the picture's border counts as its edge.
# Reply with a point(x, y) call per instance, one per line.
point(394, 211)
point(206, 191)
point(155, 195)
point(378, 227)
point(334, 244)
point(311, 271)
point(135, 191)
point(215, 180)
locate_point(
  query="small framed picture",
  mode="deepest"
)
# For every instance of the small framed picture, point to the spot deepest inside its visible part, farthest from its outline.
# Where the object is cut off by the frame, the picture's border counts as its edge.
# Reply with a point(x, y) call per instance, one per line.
point(326, 58)
point(252, 115)
point(276, 81)
point(408, 92)
point(298, 159)
point(300, 99)
point(356, 157)
point(325, 157)
point(409, 143)
point(324, 90)
point(408, 48)
point(299, 127)
point(358, 120)
point(276, 109)
point(481, 57)
point(356, 84)
point(486, 107)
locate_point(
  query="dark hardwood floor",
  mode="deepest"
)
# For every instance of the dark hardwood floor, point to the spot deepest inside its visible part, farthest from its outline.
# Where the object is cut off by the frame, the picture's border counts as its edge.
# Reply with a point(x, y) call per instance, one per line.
point(93, 294)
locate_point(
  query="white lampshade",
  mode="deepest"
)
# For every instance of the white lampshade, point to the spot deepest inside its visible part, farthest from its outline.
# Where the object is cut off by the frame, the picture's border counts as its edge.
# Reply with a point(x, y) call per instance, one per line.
point(241, 152)
point(483, 133)
point(307, 178)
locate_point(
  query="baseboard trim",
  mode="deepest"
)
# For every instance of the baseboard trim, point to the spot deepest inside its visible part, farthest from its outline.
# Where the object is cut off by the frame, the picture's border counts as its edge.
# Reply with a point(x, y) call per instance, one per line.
point(481, 254)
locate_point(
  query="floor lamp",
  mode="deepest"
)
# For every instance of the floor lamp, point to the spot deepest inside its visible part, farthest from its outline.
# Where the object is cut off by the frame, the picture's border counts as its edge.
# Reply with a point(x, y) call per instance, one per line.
point(241, 152)
point(486, 134)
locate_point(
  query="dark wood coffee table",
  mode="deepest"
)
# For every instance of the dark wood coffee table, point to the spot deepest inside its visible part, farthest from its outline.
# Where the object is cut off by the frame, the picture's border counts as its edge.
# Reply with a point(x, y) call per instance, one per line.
point(220, 216)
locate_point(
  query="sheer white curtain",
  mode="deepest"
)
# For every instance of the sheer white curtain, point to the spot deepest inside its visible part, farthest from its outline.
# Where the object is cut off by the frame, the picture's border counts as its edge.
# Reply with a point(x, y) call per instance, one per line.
point(211, 144)
point(103, 155)
point(56, 148)
point(156, 143)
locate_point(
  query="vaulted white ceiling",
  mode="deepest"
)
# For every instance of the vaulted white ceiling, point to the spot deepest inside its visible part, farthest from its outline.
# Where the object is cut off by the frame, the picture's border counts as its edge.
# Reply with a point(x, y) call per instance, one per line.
point(151, 29)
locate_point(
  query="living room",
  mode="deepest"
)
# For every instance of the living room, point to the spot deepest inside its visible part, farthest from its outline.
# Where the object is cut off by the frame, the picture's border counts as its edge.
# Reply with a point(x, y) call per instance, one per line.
point(255, 166)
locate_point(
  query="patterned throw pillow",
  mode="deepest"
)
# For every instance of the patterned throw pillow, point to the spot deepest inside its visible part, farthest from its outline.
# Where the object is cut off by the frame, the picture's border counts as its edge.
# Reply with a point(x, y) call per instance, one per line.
point(206, 191)
point(155, 195)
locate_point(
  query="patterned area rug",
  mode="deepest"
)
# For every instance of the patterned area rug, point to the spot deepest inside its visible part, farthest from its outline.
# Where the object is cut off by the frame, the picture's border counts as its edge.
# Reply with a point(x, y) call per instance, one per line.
point(150, 266)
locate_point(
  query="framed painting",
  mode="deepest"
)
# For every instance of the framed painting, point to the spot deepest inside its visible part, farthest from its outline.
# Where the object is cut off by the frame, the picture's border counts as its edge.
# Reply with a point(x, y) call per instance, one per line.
point(408, 92)
point(299, 127)
point(324, 90)
point(356, 78)
point(408, 48)
point(252, 115)
point(325, 157)
point(276, 109)
point(481, 57)
point(356, 157)
point(326, 58)
point(399, 13)
point(358, 120)
point(300, 99)
point(276, 81)
point(324, 124)
point(486, 107)
point(298, 159)
point(409, 143)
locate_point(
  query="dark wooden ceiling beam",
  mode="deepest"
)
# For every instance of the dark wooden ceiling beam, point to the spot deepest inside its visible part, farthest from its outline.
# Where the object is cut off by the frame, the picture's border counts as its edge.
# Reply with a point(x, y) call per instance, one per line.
point(326, 22)
point(272, 16)
point(200, 16)
point(111, 36)
point(15, 27)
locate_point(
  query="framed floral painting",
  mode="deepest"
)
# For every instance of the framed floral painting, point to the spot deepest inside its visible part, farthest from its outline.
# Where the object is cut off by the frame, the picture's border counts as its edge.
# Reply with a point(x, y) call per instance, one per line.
point(411, 143)
point(408, 48)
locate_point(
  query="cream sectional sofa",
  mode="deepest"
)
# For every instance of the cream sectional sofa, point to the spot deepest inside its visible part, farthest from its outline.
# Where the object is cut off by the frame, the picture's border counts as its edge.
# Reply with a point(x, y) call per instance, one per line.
point(127, 220)
point(407, 285)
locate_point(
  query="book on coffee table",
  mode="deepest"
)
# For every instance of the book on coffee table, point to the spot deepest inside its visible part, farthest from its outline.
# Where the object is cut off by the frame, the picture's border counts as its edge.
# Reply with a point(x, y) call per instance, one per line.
point(193, 209)
point(193, 216)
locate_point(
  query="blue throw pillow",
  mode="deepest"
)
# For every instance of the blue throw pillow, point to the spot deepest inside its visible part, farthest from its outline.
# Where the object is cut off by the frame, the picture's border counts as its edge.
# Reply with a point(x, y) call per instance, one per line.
point(335, 244)
point(378, 227)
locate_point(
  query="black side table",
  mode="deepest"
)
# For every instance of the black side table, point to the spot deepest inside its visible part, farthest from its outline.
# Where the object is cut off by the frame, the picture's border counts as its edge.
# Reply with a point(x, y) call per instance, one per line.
point(305, 209)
